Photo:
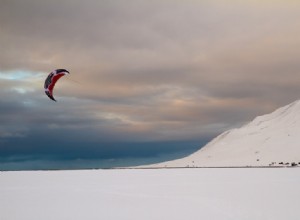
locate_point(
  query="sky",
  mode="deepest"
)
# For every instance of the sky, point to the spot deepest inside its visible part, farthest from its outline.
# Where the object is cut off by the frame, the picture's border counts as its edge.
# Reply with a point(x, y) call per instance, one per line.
point(148, 79)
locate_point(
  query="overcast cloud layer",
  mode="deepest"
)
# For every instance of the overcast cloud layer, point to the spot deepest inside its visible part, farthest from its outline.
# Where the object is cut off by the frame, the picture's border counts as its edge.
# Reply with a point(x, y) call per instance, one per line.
point(147, 77)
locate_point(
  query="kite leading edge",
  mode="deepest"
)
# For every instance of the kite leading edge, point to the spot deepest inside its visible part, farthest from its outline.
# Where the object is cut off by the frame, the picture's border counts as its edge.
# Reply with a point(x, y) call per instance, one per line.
point(52, 79)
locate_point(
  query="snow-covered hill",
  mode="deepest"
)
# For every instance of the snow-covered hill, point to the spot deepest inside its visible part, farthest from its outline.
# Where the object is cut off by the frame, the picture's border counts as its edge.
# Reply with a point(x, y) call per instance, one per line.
point(269, 140)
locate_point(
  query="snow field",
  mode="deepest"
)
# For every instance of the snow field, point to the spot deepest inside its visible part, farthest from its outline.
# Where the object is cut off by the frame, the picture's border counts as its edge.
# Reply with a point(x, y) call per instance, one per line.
point(134, 194)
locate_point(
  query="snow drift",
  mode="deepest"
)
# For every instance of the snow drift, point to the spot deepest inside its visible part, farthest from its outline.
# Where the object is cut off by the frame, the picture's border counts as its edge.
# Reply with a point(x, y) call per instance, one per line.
point(269, 140)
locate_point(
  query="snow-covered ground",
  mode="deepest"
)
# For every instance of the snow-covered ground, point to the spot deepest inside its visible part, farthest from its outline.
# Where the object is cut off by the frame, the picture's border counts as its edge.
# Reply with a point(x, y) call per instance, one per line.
point(137, 194)
point(269, 140)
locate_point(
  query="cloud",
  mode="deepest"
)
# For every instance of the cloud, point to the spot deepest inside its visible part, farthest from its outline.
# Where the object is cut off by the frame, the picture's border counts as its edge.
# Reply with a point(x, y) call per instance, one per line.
point(142, 71)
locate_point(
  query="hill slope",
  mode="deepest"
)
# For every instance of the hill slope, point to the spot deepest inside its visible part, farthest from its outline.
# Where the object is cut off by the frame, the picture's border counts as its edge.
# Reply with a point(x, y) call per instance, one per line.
point(270, 139)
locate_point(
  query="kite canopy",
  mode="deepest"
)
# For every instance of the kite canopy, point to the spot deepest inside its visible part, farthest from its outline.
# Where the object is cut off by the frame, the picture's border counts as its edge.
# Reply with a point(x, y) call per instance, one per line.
point(52, 79)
